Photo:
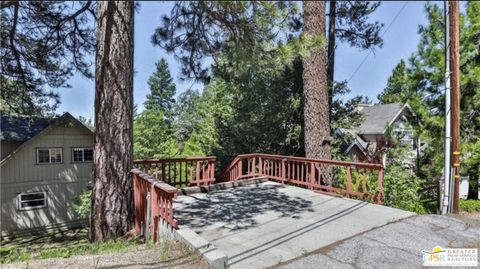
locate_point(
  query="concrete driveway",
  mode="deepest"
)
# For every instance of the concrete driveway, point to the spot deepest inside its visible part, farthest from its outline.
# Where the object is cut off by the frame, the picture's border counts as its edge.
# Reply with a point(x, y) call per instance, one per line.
point(262, 225)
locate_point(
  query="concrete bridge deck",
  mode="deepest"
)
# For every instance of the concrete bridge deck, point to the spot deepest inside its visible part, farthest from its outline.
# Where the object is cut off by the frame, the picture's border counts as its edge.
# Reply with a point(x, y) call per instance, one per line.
point(264, 224)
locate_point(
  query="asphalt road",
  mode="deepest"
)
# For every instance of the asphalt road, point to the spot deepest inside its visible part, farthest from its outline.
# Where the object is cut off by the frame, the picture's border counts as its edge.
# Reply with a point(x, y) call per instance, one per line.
point(395, 245)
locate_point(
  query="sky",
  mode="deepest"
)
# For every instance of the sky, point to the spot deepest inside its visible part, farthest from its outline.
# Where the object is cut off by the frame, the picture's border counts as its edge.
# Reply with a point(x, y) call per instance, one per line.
point(369, 78)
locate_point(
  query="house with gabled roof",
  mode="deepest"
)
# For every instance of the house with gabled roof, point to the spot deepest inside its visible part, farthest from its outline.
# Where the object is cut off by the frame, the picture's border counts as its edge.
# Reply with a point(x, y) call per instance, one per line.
point(45, 165)
point(380, 121)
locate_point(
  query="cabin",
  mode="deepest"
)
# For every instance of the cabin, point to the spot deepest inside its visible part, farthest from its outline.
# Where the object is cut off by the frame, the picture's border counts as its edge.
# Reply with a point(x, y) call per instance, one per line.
point(45, 165)
point(379, 122)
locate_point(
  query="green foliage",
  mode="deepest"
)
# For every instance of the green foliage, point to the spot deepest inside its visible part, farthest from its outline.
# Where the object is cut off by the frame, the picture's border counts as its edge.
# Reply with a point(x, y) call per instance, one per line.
point(469, 205)
point(262, 107)
point(43, 44)
point(82, 204)
point(162, 90)
point(193, 146)
point(400, 184)
point(300, 47)
point(419, 81)
point(153, 137)
point(9, 254)
point(187, 118)
point(400, 188)
point(353, 27)
point(254, 99)
point(241, 24)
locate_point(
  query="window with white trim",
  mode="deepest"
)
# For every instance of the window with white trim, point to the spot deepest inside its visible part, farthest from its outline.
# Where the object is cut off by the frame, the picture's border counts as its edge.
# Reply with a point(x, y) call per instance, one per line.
point(49, 155)
point(32, 200)
point(80, 155)
point(404, 133)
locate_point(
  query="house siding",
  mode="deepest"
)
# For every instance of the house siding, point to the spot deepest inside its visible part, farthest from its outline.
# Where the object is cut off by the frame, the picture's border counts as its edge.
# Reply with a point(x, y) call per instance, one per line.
point(62, 182)
point(402, 123)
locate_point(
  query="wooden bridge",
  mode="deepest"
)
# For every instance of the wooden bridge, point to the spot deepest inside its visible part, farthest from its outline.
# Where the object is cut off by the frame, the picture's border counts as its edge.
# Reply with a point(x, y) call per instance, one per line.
point(296, 207)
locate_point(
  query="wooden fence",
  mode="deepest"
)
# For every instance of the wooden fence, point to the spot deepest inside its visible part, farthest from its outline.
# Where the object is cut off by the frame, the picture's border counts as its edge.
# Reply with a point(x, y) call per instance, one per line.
point(155, 181)
point(362, 180)
point(181, 172)
point(153, 203)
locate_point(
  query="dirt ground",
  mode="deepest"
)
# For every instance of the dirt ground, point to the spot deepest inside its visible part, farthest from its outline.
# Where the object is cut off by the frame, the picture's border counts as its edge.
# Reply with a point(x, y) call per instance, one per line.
point(470, 218)
point(176, 256)
point(170, 254)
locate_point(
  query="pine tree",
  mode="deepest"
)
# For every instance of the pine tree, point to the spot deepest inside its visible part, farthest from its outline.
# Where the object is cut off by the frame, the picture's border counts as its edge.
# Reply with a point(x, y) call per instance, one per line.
point(43, 44)
point(420, 82)
point(153, 137)
point(348, 22)
point(153, 127)
point(315, 88)
point(162, 90)
point(112, 194)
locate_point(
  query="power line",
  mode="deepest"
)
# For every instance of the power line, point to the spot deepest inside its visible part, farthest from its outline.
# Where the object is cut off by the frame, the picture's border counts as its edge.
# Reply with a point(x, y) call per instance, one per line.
point(386, 30)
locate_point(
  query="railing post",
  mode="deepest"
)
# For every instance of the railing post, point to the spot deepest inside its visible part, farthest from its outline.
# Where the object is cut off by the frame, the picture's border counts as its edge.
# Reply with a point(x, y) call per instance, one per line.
point(380, 186)
point(212, 170)
point(154, 213)
point(349, 181)
point(197, 174)
point(283, 171)
point(312, 175)
point(138, 201)
point(260, 166)
point(239, 169)
point(163, 178)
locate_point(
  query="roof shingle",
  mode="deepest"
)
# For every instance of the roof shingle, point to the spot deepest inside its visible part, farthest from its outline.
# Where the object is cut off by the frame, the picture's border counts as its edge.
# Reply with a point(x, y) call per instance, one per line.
point(377, 117)
point(22, 128)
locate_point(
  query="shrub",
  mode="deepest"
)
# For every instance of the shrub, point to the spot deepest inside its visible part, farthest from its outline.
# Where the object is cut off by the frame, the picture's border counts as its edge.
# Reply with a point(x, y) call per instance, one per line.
point(470, 205)
point(82, 204)
point(400, 189)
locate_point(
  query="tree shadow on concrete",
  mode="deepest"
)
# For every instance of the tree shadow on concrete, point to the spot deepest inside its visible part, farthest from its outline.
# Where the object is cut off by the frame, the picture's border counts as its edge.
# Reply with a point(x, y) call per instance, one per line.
point(236, 208)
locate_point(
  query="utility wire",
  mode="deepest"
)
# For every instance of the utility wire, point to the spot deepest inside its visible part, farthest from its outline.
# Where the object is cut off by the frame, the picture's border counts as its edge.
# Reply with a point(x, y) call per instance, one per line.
point(386, 30)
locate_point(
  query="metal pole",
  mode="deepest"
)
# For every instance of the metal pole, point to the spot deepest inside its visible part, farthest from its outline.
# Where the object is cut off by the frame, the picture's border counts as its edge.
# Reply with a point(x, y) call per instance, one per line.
point(455, 99)
point(148, 219)
point(451, 179)
point(446, 171)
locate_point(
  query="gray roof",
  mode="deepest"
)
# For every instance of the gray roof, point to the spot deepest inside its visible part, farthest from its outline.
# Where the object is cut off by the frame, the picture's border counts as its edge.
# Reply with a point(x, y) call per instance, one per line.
point(378, 117)
point(22, 128)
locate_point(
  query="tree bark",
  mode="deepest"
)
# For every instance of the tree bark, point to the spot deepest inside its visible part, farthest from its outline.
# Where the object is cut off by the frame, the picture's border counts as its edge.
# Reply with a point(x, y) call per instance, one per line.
point(331, 52)
point(112, 195)
point(316, 90)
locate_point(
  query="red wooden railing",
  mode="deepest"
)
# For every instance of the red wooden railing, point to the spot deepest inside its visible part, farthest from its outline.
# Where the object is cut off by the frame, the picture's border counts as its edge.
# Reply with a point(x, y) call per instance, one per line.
point(161, 201)
point(362, 180)
point(181, 172)
point(153, 186)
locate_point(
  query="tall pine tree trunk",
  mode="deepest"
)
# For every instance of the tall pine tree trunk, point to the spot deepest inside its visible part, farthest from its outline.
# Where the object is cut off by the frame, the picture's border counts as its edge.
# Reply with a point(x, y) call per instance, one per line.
point(316, 90)
point(112, 196)
point(331, 52)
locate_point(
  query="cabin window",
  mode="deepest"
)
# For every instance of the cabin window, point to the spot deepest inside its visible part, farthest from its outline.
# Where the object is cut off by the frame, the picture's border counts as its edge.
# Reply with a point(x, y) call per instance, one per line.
point(407, 137)
point(82, 155)
point(49, 156)
point(32, 200)
point(405, 134)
